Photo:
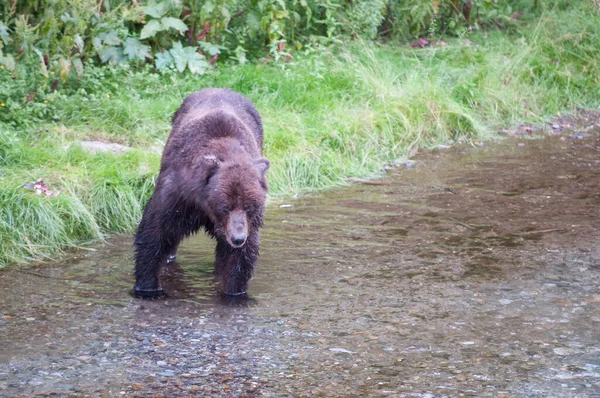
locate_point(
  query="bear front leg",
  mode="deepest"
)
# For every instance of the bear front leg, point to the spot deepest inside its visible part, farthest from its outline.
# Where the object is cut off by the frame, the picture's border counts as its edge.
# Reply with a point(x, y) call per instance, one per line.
point(153, 243)
point(235, 266)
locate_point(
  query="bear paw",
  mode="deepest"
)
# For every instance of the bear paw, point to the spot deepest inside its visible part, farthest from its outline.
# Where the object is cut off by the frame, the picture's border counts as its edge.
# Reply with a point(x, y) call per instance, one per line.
point(235, 294)
point(149, 294)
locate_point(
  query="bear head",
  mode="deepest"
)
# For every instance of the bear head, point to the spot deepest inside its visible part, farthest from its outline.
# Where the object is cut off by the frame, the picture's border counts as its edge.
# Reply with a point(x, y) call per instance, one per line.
point(234, 197)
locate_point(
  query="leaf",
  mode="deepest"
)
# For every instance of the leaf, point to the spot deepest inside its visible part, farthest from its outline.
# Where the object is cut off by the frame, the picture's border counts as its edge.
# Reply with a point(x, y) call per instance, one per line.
point(110, 38)
point(155, 10)
point(4, 33)
point(210, 48)
point(197, 64)
point(78, 66)
point(175, 23)
point(135, 50)
point(163, 60)
point(65, 68)
point(226, 15)
point(151, 29)
point(43, 68)
point(97, 43)
point(207, 10)
point(79, 44)
point(253, 23)
point(8, 61)
point(240, 55)
point(66, 18)
point(188, 57)
point(179, 56)
point(113, 55)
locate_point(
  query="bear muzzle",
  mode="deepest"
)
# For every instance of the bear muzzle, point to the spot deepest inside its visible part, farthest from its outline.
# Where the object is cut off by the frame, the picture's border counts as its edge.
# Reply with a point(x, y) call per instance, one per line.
point(237, 229)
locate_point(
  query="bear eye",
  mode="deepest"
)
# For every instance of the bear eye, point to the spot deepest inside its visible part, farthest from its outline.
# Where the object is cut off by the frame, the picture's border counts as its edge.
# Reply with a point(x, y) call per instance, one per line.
point(224, 209)
point(250, 208)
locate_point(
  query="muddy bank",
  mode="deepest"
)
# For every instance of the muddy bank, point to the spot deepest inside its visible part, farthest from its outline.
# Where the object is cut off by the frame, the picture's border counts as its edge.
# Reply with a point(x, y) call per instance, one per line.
point(473, 273)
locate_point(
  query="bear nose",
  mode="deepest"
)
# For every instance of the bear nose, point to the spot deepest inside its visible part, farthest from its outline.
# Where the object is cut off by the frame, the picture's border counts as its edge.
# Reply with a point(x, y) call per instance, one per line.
point(238, 240)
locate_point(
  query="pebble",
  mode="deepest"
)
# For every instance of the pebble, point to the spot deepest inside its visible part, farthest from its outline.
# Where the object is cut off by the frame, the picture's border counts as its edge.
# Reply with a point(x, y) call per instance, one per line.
point(341, 350)
point(562, 351)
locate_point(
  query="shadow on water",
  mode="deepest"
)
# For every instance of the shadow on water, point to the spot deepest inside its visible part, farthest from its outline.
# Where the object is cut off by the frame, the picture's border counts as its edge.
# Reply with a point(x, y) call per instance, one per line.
point(474, 273)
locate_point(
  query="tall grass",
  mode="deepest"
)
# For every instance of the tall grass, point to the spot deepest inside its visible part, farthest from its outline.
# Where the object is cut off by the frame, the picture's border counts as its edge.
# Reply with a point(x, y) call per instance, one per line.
point(327, 116)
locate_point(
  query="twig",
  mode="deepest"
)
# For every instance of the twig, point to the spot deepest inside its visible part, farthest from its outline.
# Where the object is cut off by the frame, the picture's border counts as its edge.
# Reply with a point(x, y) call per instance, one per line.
point(40, 275)
point(541, 231)
point(472, 228)
point(366, 182)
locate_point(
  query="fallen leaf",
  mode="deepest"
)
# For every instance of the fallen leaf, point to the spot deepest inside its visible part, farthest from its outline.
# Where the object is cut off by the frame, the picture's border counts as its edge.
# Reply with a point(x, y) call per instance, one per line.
point(40, 188)
point(420, 43)
point(137, 386)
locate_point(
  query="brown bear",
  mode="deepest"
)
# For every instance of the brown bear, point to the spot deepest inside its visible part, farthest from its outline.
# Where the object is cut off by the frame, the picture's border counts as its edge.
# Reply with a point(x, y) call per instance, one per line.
point(212, 175)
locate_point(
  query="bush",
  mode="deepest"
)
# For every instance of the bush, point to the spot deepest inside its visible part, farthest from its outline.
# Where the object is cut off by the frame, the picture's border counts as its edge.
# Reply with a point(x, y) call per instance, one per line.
point(59, 37)
point(53, 48)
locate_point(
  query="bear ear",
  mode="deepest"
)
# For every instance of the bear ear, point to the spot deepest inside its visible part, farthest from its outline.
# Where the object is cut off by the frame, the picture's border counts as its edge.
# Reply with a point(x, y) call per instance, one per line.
point(262, 165)
point(212, 165)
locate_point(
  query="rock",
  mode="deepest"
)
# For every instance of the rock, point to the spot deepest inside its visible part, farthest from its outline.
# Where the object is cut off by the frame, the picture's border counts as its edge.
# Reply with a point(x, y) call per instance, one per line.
point(341, 350)
point(562, 351)
point(157, 149)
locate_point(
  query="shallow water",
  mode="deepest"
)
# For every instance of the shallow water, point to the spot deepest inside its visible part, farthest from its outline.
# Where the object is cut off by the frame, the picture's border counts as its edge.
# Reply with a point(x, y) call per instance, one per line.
point(475, 272)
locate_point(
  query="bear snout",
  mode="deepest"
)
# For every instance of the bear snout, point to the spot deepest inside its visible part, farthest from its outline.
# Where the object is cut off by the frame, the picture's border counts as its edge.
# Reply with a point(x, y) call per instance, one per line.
point(237, 228)
point(238, 240)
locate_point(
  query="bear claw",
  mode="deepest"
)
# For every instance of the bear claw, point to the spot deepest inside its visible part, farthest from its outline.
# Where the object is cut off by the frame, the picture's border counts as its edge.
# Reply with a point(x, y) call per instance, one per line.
point(149, 294)
point(235, 294)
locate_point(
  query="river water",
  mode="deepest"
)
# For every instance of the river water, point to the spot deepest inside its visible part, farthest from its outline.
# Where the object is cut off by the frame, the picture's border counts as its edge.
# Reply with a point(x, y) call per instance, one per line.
point(473, 272)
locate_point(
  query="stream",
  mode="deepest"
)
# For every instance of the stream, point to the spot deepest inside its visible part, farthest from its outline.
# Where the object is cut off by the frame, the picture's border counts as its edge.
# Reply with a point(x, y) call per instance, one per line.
point(470, 271)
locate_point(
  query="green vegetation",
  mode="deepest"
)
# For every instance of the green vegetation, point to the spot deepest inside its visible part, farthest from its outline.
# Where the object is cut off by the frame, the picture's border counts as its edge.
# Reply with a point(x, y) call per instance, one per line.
point(330, 112)
point(63, 36)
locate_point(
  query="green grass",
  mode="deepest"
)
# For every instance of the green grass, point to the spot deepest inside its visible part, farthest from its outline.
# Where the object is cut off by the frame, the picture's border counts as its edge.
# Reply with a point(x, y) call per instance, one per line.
point(328, 116)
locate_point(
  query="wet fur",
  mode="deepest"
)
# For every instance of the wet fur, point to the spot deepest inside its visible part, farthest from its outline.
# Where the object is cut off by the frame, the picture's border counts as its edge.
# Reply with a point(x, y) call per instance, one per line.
point(212, 164)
